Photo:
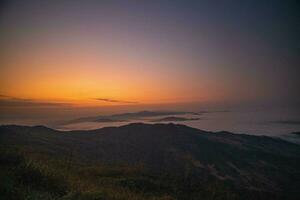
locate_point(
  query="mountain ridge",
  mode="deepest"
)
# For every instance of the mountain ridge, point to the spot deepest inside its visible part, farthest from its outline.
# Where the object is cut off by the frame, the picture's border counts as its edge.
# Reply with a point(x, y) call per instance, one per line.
point(252, 163)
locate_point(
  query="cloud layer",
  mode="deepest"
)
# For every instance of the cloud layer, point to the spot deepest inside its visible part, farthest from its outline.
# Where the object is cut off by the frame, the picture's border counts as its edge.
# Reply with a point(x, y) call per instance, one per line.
point(115, 101)
point(9, 101)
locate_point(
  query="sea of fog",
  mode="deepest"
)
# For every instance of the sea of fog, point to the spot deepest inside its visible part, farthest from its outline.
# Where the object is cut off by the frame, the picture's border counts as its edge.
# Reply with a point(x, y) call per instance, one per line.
point(278, 123)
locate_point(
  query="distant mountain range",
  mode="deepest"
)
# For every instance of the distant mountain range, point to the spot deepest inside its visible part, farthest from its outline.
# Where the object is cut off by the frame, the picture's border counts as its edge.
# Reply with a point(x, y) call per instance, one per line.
point(123, 117)
point(174, 119)
point(256, 164)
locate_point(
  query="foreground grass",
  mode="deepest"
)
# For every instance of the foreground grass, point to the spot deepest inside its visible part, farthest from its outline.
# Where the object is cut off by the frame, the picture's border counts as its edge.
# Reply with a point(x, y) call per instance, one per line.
point(31, 177)
point(26, 178)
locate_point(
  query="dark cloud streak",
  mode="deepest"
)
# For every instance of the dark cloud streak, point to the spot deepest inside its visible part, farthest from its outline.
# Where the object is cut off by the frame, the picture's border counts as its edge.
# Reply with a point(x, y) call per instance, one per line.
point(9, 101)
point(115, 101)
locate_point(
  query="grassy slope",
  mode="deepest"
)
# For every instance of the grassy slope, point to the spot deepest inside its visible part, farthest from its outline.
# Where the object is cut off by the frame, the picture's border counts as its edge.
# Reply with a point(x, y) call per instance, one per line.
point(115, 163)
point(25, 176)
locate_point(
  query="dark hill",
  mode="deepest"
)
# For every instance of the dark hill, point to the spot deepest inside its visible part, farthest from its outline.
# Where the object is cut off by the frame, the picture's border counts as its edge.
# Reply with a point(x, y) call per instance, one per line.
point(248, 163)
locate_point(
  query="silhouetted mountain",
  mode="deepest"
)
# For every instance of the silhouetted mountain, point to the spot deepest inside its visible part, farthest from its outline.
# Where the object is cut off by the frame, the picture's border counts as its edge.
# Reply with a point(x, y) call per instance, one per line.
point(127, 116)
point(151, 114)
point(250, 164)
point(174, 119)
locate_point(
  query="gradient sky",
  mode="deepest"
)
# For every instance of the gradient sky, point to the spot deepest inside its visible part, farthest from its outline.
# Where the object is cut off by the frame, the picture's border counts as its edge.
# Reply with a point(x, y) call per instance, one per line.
point(97, 53)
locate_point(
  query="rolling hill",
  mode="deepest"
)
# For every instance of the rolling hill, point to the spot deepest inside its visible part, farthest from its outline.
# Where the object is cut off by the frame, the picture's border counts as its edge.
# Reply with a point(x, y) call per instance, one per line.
point(181, 162)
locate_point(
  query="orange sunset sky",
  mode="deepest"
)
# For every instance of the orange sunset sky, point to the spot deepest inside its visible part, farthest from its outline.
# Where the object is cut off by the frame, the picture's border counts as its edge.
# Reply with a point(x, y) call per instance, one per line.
point(114, 53)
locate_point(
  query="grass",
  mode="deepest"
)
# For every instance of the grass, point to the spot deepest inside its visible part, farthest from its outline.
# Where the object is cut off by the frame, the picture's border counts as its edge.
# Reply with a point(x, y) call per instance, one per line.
point(27, 176)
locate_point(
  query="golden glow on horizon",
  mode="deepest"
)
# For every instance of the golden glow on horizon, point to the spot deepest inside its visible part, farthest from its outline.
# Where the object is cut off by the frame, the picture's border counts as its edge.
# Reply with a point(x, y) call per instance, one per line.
point(80, 87)
point(78, 78)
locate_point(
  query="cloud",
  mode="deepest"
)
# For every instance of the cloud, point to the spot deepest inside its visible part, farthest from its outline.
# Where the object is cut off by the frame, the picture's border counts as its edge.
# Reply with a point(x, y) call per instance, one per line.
point(11, 97)
point(9, 101)
point(114, 100)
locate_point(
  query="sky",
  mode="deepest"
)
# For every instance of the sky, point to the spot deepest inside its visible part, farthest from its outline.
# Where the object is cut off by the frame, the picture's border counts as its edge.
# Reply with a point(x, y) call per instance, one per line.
point(137, 53)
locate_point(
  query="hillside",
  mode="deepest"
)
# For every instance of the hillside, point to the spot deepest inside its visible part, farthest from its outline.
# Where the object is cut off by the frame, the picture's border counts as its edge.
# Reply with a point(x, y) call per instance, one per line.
point(173, 161)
